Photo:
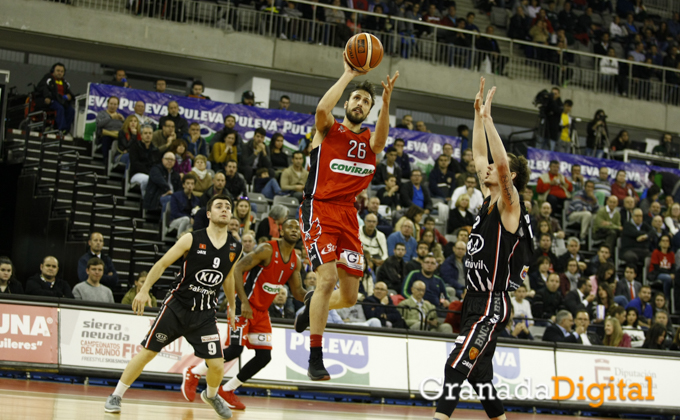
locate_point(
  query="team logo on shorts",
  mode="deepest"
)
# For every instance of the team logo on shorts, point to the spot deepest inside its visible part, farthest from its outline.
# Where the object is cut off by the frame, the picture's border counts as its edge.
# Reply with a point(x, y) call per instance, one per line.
point(474, 353)
point(161, 338)
point(352, 259)
point(328, 249)
point(525, 270)
point(208, 338)
point(475, 244)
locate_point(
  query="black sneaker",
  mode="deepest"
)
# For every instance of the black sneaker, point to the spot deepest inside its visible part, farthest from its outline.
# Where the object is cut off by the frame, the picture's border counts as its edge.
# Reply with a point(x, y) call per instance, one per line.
point(302, 320)
point(317, 371)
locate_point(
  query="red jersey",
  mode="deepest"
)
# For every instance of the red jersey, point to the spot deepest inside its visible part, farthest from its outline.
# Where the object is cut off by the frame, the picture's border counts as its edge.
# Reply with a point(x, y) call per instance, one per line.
point(342, 166)
point(262, 283)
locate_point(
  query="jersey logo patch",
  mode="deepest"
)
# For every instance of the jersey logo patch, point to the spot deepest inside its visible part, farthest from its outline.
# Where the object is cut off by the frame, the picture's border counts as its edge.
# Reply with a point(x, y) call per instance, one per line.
point(272, 289)
point(328, 249)
point(348, 167)
point(202, 246)
point(475, 244)
point(209, 277)
point(232, 255)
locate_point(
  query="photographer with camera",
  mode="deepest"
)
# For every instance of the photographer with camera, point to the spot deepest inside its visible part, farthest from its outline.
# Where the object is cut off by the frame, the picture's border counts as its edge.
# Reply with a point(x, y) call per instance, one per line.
point(598, 135)
point(550, 108)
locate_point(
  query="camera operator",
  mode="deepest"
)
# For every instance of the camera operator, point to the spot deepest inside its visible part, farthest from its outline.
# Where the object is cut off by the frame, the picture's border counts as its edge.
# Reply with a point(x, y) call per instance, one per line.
point(554, 116)
point(598, 135)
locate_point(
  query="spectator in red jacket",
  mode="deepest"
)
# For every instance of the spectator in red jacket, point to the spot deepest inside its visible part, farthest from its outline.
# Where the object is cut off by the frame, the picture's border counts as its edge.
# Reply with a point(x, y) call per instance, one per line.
point(554, 187)
point(621, 189)
point(54, 92)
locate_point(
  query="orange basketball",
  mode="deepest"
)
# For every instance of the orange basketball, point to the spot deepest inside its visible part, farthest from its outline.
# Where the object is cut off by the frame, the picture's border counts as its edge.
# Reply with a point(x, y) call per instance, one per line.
point(364, 52)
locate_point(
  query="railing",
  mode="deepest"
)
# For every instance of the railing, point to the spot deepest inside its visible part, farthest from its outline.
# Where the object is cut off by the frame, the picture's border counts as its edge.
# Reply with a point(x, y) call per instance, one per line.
point(521, 59)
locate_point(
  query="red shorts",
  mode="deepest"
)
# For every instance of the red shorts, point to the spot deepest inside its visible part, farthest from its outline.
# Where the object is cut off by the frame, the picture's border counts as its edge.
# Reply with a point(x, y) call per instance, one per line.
point(255, 333)
point(330, 232)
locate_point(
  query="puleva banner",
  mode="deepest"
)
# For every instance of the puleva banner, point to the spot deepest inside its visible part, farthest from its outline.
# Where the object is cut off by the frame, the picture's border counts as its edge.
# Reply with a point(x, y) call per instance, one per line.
point(423, 148)
point(636, 173)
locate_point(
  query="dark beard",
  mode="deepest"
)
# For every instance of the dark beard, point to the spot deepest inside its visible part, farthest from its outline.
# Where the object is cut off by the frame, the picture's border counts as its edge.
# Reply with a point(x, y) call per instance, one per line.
point(352, 118)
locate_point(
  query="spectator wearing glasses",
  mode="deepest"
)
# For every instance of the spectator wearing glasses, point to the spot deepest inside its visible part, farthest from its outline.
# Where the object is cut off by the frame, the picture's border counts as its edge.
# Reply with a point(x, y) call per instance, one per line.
point(164, 137)
point(163, 181)
point(380, 306)
point(435, 292)
point(419, 310)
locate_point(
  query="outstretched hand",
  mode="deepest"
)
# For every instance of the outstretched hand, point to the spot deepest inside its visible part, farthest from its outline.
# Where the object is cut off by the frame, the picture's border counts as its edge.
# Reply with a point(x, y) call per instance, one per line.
point(388, 87)
point(479, 98)
point(486, 113)
point(349, 69)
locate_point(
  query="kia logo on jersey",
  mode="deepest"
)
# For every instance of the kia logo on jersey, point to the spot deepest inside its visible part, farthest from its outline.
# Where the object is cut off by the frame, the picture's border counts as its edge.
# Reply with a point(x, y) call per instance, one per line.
point(209, 277)
point(348, 167)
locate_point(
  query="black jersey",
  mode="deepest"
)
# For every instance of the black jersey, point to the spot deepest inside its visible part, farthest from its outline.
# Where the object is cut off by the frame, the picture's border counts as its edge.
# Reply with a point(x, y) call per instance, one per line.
point(203, 271)
point(497, 259)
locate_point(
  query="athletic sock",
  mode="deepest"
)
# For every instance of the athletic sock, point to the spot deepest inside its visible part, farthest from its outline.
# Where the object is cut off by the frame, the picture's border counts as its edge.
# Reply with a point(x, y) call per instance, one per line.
point(211, 391)
point(120, 389)
point(200, 369)
point(315, 340)
point(232, 384)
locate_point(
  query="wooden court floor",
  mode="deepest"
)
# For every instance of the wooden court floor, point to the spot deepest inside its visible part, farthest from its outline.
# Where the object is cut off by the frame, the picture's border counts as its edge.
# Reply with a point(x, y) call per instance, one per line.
point(37, 400)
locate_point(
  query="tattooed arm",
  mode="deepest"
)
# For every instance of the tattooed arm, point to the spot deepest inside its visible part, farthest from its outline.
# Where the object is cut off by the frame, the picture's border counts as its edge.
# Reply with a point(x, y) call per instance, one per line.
point(261, 255)
point(479, 152)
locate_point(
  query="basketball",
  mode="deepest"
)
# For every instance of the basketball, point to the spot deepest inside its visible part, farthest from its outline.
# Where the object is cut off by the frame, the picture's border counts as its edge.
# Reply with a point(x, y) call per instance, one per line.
point(364, 52)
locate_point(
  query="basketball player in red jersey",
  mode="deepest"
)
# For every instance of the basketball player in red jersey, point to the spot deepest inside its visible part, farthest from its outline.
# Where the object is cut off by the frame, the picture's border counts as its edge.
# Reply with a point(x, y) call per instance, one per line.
point(342, 165)
point(264, 271)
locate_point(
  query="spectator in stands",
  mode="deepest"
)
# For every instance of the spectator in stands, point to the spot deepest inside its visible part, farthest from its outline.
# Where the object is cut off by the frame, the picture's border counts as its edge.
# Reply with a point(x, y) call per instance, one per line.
point(554, 187)
point(236, 185)
point(661, 317)
point(390, 194)
point(130, 295)
point(403, 159)
point(224, 151)
point(203, 177)
point(604, 302)
point(181, 125)
point(284, 100)
point(413, 193)
point(642, 305)
point(422, 314)
point(46, 283)
point(405, 236)
point(415, 215)
point(294, 178)
point(406, 121)
point(621, 189)
point(538, 278)
point(140, 111)
point(380, 306)
point(662, 266)
point(248, 242)
point(109, 122)
point(163, 181)
point(627, 210)
point(129, 133)
point(609, 77)
point(454, 165)
point(452, 270)
point(582, 207)
point(476, 199)
point(436, 288)
point(635, 240)
point(164, 137)
point(492, 51)
point(197, 89)
point(183, 205)
point(658, 230)
point(373, 240)
point(581, 322)
point(521, 306)
point(569, 279)
point(270, 227)
point(109, 276)
point(384, 225)
point(557, 245)
point(429, 226)
point(519, 25)
point(460, 217)
point(621, 142)
point(54, 92)
point(91, 289)
point(278, 157)
point(434, 247)
point(422, 251)
point(560, 331)
point(143, 156)
point(548, 300)
point(278, 307)
point(393, 271)
point(196, 145)
point(442, 179)
point(160, 85)
point(243, 213)
point(656, 337)
point(602, 184)
point(234, 229)
point(516, 328)
point(607, 223)
point(651, 205)
point(544, 249)
point(119, 79)
point(573, 249)
point(8, 284)
point(420, 126)
point(603, 256)
point(182, 160)
point(264, 184)
point(218, 187)
point(255, 155)
point(387, 167)
point(581, 298)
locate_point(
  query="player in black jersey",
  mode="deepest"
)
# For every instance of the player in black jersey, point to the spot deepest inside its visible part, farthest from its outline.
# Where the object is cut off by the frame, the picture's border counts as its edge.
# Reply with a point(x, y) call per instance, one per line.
point(498, 255)
point(189, 309)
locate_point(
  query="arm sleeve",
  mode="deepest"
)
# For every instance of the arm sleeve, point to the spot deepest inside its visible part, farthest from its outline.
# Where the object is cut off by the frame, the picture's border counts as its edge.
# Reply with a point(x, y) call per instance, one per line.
point(286, 184)
point(391, 241)
point(383, 247)
point(406, 287)
point(76, 293)
point(175, 208)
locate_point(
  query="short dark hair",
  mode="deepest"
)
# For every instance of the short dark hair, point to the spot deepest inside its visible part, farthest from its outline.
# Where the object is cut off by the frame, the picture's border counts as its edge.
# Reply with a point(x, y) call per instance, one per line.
point(261, 171)
point(605, 246)
point(616, 310)
point(646, 286)
point(399, 244)
point(399, 141)
point(230, 161)
point(230, 116)
point(95, 261)
point(55, 65)
point(113, 97)
point(194, 123)
point(554, 162)
point(632, 267)
point(429, 219)
point(189, 177)
point(261, 131)
point(545, 234)
point(521, 286)
point(367, 87)
point(297, 152)
point(590, 182)
point(214, 198)
point(581, 281)
point(423, 243)
point(568, 102)
point(470, 14)
point(541, 260)
point(390, 149)
point(284, 97)
point(197, 83)
point(416, 170)
point(390, 177)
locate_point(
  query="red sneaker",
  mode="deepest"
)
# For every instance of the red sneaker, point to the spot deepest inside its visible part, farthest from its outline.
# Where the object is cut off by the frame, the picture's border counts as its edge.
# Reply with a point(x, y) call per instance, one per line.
point(232, 400)
point(189, 383)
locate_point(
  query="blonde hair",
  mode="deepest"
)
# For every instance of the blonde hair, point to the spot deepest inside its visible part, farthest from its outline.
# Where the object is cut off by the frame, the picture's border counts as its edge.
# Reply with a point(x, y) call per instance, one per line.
point(200, 157)
point(462, 196)
point(126, 124)
point(616, 336)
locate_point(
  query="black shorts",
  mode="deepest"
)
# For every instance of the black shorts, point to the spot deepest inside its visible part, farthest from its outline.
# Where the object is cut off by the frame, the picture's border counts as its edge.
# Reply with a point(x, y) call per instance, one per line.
point(484, 317)
point(198, 327)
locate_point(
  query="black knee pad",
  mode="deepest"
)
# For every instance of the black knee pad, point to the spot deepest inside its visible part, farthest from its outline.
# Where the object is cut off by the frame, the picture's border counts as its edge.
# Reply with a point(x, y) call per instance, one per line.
point(254, 365)
point(232, 352)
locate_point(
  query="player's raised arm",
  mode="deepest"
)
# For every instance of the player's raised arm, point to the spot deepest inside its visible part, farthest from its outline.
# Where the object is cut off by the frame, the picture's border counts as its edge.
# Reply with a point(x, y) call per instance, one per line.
point(509, 194)
point(382, 127)
point(479, 152)
point(324, 110)
point(260, 255)
point(181, 247)
point(295, 284)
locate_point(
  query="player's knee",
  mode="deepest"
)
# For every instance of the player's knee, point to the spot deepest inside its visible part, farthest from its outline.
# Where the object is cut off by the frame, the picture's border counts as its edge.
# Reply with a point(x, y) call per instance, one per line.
point(264, 356)
point(349, 298)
